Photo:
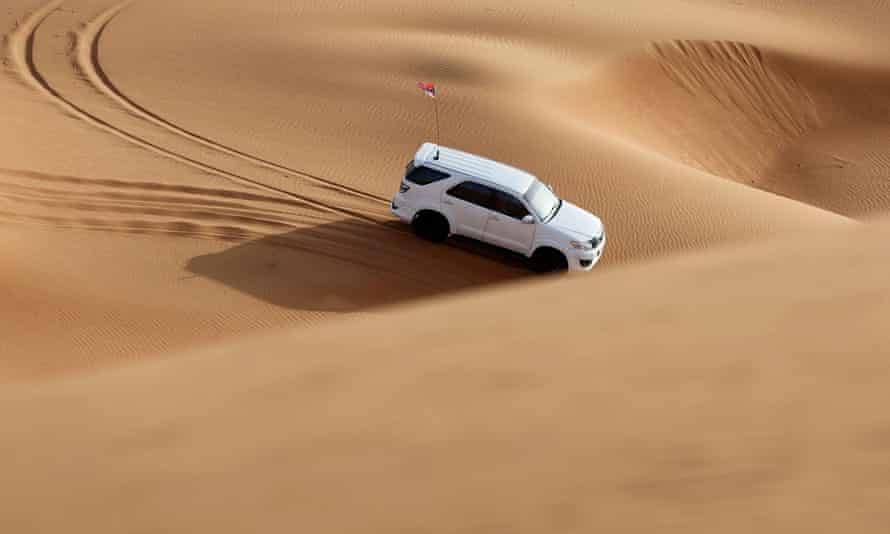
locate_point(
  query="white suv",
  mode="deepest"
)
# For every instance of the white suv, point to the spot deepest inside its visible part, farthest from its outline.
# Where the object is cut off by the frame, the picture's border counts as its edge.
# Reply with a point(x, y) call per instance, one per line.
point(446, 191)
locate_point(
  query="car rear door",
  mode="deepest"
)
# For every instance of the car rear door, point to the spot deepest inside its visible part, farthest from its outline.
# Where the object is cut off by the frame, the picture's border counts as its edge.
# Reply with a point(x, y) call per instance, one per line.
point(505, 228)
point(468, 206)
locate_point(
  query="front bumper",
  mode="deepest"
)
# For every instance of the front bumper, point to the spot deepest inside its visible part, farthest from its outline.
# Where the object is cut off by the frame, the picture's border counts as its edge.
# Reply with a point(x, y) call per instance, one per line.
point(585, 260)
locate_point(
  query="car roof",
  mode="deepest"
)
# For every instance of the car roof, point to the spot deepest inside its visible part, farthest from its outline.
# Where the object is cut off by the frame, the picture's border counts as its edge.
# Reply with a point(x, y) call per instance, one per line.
point(451, 159)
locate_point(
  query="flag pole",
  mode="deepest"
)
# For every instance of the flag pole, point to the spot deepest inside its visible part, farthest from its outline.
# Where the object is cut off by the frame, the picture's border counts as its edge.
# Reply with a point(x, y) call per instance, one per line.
point(430, 90)
point(436, 105)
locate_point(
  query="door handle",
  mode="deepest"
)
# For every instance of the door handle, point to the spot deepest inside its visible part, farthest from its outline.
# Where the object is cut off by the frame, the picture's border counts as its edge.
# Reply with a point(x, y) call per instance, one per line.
point(495, 218)
point(446, 201)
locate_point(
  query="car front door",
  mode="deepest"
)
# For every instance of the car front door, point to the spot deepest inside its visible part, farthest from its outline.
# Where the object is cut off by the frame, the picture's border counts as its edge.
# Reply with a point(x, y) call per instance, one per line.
point(468, 205)
point(505, 227)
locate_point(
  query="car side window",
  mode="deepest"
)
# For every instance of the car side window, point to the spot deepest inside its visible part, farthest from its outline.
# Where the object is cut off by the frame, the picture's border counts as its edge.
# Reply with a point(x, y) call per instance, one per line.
point(474, 193)
point(424, 175)
point(509, 205)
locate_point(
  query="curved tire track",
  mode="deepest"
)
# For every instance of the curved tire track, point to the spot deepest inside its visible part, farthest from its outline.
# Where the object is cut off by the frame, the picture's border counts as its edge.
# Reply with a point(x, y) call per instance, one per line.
point(21, 45)
point(89, 64)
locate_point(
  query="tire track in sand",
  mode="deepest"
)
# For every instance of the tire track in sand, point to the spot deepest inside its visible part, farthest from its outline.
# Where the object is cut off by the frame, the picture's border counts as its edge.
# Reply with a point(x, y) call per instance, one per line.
point(121, 193)
point(88, 63)
point(98, 205)
point(21, 47)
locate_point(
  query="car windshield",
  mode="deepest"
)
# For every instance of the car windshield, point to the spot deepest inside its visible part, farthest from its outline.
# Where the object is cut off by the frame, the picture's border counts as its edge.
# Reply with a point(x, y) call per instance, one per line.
point(542, 201)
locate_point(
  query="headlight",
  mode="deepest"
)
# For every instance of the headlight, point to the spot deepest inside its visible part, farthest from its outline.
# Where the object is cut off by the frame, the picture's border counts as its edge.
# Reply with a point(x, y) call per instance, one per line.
point(582, 245)
point(403, 188)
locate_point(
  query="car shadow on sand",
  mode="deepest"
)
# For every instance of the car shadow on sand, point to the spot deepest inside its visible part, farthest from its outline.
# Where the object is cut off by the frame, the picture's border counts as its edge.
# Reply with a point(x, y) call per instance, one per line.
point(354, 265)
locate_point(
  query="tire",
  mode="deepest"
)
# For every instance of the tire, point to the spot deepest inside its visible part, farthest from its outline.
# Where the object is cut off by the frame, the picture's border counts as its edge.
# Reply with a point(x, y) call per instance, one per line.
point(431, 226)
point(548, 260)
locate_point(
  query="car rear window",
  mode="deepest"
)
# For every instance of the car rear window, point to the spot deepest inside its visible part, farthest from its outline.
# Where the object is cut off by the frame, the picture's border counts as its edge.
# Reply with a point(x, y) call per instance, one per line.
point(424, 175)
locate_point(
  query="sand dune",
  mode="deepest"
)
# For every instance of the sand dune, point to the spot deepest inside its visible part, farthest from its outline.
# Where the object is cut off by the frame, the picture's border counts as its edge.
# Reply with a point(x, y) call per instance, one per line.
point(210, 321)
point(614, 179)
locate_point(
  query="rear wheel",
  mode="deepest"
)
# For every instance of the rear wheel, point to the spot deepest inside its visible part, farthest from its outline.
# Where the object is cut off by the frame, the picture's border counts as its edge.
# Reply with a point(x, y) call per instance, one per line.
point(548, 260)
point(431, 226)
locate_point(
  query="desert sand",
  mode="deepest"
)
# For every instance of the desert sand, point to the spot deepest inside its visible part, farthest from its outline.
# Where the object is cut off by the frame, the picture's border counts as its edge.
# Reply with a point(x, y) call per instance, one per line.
point(211, 323)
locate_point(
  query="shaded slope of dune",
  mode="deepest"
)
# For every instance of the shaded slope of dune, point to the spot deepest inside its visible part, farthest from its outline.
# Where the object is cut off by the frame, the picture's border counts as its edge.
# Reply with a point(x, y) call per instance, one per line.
point(107, 291)
point(731, 390)
point(804, 129)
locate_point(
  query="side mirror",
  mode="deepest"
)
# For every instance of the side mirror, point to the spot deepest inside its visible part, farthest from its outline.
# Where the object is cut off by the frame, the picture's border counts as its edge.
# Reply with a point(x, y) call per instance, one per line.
point(550, 187)
point(528, 219)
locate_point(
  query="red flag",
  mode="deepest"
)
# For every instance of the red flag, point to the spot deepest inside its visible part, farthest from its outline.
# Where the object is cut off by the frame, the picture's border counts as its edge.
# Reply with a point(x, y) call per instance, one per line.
point(428, 88)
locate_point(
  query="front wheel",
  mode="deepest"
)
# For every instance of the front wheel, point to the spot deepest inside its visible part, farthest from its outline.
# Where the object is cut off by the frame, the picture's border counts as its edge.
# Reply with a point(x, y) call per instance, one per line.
point(548, 260)
point(431, 226)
